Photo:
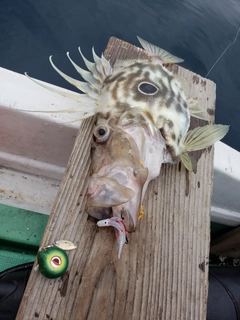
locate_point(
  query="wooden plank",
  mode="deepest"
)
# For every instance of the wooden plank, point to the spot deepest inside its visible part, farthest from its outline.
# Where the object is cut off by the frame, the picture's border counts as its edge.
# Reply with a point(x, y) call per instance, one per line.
point(228, 244)
point(163, 271)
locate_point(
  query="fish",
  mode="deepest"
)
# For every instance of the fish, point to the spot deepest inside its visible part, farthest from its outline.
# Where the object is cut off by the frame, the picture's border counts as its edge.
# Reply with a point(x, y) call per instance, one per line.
point(120, 230)
point(142, 118)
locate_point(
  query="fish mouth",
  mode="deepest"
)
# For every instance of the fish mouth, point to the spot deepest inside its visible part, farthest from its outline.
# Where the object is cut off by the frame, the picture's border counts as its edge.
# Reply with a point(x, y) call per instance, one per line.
point(104, 193)
point(102, 213)
point(116, 195)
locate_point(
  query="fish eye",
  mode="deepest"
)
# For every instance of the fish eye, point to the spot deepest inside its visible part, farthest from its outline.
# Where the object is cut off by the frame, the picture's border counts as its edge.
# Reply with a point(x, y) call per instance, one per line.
point(101, 131)
point(147, 88)
point(101, 134)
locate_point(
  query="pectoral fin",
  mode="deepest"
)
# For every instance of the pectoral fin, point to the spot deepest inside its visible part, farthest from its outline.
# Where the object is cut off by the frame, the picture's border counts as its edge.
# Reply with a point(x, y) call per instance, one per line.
point(189, 162)
point(194, 109)
point(203, 137)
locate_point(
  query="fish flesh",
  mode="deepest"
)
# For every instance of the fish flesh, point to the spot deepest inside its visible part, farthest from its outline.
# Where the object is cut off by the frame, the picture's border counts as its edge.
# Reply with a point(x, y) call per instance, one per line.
point(142, 120)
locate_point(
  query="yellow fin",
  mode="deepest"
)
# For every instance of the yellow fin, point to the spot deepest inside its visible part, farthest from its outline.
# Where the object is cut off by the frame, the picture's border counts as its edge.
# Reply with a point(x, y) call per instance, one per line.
point(203, 137)
point(163, 54)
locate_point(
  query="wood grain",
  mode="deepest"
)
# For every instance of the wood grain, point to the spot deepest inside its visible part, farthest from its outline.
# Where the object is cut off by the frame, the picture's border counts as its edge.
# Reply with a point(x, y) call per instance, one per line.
point(163, 271)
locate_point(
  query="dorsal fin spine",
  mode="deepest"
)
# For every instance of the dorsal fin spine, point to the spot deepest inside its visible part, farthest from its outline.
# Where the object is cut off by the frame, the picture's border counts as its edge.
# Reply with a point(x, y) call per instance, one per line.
point(164, 55)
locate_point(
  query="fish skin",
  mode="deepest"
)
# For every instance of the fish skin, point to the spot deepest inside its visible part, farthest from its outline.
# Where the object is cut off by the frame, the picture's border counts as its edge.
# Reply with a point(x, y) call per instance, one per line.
point(142, 121)
point(167, 108)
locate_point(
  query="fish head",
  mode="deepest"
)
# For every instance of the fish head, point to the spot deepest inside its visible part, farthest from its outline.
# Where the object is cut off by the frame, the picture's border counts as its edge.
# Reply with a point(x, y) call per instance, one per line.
point(116, 176)
point(125, 157)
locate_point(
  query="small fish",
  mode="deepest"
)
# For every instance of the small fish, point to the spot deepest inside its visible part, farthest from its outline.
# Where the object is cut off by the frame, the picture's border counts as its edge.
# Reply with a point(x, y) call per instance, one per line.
point(120, 230)
point(142, 120)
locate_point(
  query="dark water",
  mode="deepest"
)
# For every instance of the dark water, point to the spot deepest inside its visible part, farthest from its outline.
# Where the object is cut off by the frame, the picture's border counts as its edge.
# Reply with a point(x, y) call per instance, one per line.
point(195, 30)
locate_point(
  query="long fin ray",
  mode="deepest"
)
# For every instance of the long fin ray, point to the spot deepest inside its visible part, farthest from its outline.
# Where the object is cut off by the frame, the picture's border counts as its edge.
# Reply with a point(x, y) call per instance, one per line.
point(90, 65)
point(72, 110)
point(107, 68)
point(85, 115)
point(203, 137)
point(166, 56)
point(98, 62)
point(85, 74)
point(82, 86)
point(78, 97)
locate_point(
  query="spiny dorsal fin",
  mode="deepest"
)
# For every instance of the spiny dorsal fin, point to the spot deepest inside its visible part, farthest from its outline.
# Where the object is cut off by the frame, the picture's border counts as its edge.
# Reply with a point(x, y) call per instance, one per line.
point(165, 56)
point(203, 137)
point(98, 71)
point(195, 110)
point(90, 65)
point(82, 98)
point(94, 76)
point(87, 75)
point(82, 86)
point(86, 105)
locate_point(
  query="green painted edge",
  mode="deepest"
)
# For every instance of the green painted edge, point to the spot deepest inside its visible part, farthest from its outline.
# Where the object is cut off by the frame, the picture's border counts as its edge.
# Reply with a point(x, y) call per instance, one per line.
point(21, 232)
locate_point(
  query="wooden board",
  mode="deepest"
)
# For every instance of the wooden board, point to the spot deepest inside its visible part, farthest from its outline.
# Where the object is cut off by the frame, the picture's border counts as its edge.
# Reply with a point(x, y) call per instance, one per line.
point(163, 271)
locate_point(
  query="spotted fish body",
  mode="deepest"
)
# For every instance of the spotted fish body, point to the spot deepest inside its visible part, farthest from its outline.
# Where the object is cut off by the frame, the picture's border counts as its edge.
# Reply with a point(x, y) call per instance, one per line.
point(165, 104)
point(142, 121)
